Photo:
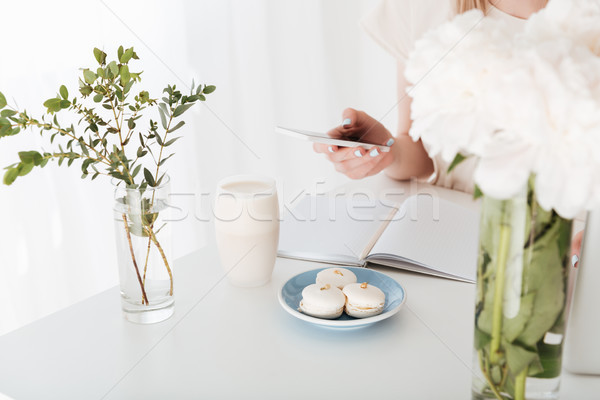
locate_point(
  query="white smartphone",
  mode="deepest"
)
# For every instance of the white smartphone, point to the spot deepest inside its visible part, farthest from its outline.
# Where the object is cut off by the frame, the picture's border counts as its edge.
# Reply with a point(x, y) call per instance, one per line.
point(325, 139)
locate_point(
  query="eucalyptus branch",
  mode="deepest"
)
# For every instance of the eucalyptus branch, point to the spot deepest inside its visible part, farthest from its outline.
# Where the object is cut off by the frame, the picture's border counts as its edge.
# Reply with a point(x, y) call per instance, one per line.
point(47, 126)
point(102, 111)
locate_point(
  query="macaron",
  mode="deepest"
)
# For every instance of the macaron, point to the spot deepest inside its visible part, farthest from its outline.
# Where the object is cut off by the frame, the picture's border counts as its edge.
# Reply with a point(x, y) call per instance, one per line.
point(363, 300)
point(322, 301)
point(338, 277)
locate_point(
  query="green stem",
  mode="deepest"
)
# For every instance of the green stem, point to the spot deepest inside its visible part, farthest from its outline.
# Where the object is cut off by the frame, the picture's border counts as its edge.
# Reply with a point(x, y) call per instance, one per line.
point(164, 257)
point(137, 271)
point(485, 371)
point(520, 381)
point(147, 256)
point(501, 260)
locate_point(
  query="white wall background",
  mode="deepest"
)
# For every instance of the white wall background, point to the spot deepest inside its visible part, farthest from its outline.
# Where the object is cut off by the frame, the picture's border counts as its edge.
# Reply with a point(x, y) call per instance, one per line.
point(297, 63)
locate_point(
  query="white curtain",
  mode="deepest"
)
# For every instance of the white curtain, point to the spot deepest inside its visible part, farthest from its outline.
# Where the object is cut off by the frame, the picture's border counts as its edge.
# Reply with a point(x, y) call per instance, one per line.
point(297, 63)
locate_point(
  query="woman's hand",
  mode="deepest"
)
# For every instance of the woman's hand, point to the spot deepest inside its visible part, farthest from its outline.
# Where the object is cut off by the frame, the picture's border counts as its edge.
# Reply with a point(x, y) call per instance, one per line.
point(356, 162)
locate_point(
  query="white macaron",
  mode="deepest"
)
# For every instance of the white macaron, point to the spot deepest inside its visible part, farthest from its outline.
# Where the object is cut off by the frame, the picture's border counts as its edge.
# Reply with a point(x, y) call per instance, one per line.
point(322, 301)
point(363, 300)
point(338, 277)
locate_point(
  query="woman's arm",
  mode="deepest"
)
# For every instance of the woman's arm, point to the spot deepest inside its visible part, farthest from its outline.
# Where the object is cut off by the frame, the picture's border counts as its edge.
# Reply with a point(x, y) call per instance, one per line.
point(410, 158)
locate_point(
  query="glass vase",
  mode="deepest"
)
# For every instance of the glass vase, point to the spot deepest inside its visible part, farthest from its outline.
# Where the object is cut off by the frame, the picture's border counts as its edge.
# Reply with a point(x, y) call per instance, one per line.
point(522, 277)
point(143, 235)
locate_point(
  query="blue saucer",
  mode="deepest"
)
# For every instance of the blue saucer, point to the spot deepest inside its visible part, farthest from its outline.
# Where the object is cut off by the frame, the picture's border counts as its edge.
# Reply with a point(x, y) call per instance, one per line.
point(291, 294)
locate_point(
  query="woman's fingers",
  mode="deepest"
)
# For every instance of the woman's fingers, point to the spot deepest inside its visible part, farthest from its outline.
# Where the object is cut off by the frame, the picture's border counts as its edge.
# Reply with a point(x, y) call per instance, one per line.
point(346, 153)
point(357, 162)
point(369, 163)
point(324, 148)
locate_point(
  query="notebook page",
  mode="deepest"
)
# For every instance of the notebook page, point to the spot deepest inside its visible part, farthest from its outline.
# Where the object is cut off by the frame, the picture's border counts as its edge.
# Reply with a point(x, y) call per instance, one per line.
point(330, 228)
point(434, 233)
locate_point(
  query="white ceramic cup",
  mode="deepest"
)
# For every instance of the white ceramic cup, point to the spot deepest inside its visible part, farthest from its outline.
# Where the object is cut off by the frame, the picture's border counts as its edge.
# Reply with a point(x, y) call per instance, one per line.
point(247, 228)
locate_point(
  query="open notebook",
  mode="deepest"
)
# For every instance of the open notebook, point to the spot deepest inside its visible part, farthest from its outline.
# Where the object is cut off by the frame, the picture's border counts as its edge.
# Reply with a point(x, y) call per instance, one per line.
point(423, 234)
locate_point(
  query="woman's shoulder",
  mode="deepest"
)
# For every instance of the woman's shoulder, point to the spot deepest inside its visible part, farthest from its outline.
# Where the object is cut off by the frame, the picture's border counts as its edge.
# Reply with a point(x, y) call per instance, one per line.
point(397, 24)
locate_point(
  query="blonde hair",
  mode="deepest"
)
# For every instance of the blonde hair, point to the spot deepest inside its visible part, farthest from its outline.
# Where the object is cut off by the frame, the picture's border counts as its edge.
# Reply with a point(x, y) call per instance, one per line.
point(466, 5)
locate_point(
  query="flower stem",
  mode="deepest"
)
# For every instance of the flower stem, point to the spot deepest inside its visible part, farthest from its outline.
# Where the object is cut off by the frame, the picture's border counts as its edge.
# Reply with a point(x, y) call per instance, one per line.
point(164, 257)
point(501, 260)
point(520, 384)
point(486, 374)
point(137, 271)
point(147, 256)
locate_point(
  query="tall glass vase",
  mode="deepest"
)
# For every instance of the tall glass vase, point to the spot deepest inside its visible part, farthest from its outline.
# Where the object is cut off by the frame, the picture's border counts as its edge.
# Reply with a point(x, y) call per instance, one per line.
point(143, 234)
point(522, 273)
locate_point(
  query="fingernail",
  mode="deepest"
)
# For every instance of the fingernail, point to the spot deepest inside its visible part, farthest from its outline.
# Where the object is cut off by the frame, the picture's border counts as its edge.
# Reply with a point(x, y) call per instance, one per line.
point(374, 152)
point(574, 260)
point(390, 142)
point(357, 153)
point(347, 121)
point(330, 149)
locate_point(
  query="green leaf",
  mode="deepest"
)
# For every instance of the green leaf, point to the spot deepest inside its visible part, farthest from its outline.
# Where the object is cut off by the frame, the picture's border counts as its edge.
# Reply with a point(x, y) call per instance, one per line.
point(10, 175)
point(513, 327)
point(89, 76)
point(179, 125)
point(7, 113)
point(24, 168)
point(30, 157)
point(120, 52)
point(125, 76)
point(85, 164)
point(65, 104)
point(170, 142)
point(118, 175)
point(209, 89)
point(518, 358)
point(551, 359)
point(181, 109)
point(481, 339)
point(86, 90)
point(98, 98)
point(160, 179)
point(126, 56)
point(149, 177)
point(477, 193)
point(53, 105)
point(163, 107)
point(457, 160)
point(119, 94)
point(2, 103)
point(159, 140)
point(136, 170)
point(64, 92)
point(114, 69)
point(543, 275)
point(128, 86)
point(163, 116)
point(100, 56)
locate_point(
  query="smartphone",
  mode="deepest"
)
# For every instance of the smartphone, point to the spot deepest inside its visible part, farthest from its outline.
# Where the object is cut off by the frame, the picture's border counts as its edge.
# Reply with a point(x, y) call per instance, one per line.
point(325, 139)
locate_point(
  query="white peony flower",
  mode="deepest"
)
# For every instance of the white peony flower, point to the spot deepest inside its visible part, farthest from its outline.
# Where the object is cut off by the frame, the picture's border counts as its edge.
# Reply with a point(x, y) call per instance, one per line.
point(524, 104)
point(574, 19)
point(450, 70)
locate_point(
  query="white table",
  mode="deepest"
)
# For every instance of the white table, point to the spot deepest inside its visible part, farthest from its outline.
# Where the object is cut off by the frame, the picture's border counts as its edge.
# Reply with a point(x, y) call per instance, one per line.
point(229, 343)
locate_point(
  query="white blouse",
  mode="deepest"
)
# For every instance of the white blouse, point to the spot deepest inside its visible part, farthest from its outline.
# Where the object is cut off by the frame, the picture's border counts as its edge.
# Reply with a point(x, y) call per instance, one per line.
point(396, 25)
